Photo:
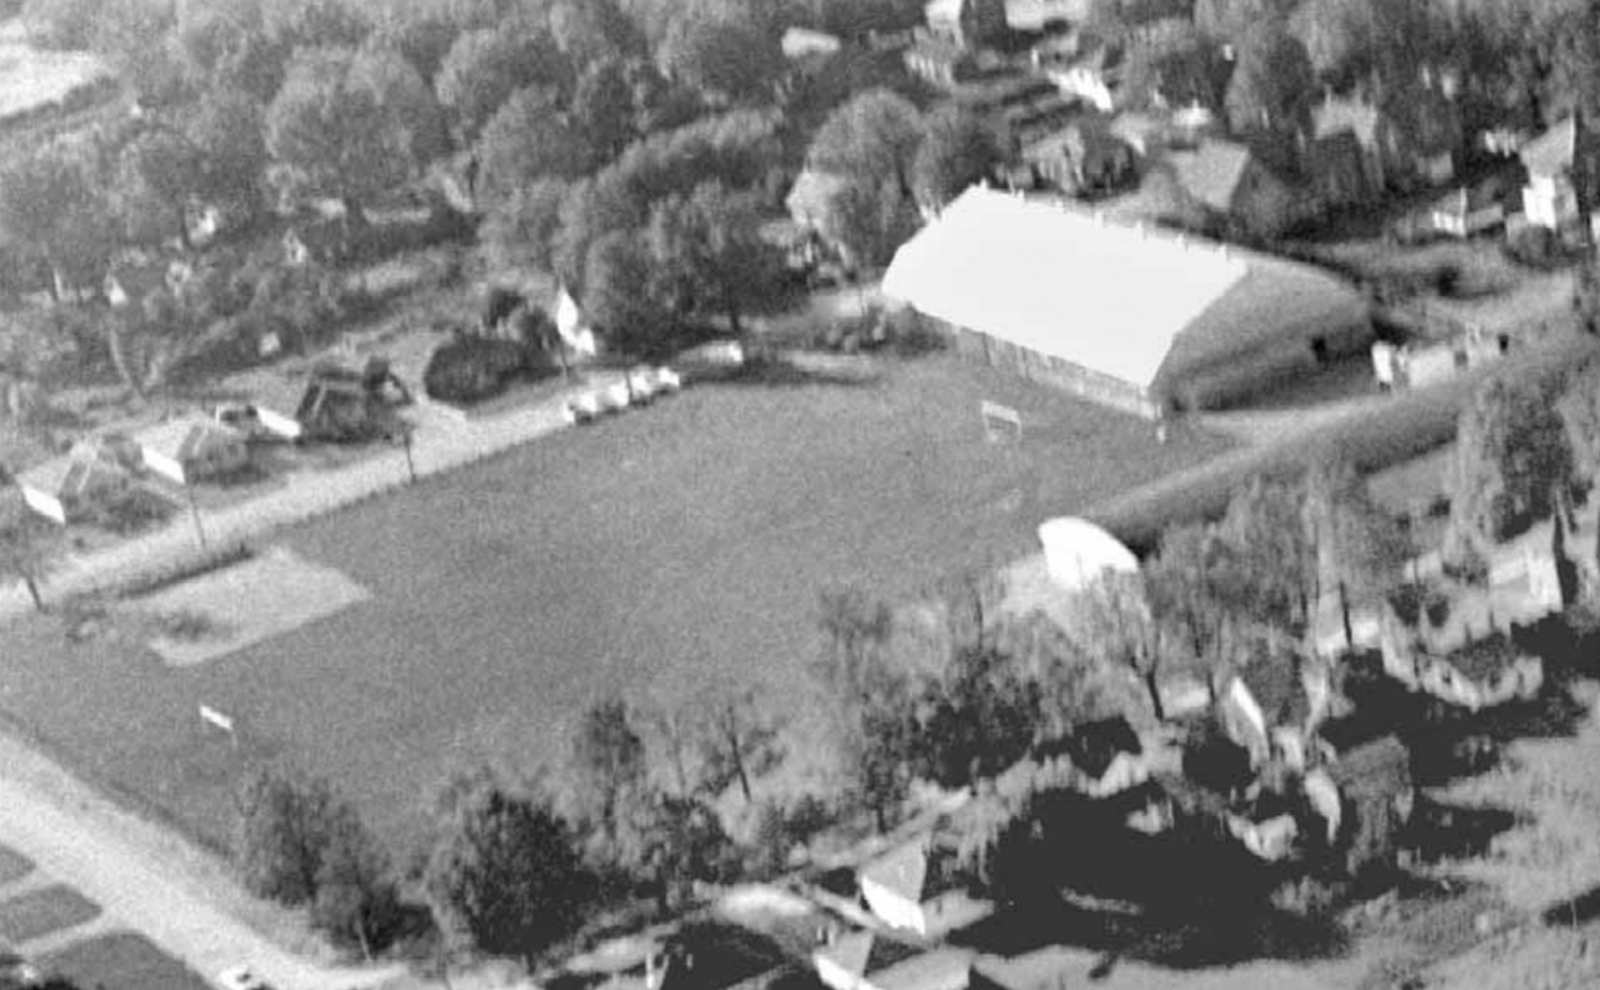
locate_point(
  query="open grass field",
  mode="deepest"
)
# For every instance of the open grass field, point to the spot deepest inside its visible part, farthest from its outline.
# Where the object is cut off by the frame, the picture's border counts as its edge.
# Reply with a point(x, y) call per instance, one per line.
point(39, 912)
point(30, 78)
point(677, 546)
point(122, 960)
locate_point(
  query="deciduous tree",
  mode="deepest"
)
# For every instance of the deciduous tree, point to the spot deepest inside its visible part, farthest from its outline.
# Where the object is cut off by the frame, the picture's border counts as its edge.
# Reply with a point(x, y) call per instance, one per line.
point(720, 48)
point(529, 139)
point(958, 150)
point(1361, 547)
point(159, 174)
point(708, 255)
point(740, 738)
point(347, 126)
point(1273, 559)
point(603, 107)
point(506, 873)
point(608, 758)
point(1273, 85)
point(671, 842)
point(617, 270)
point(28, 549)
point(356, 903)
point(874, 139)
point(228, 128)
point(1113, 620)
point(519, 230)
point(484, 67)
point(1511, 460)
point(282, 831)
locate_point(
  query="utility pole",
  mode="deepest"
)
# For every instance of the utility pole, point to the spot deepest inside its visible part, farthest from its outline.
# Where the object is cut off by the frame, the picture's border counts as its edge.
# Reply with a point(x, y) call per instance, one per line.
point(194, 513)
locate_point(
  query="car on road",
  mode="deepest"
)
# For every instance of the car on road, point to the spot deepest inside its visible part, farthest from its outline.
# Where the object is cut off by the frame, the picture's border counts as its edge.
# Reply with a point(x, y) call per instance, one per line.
point(242, 978)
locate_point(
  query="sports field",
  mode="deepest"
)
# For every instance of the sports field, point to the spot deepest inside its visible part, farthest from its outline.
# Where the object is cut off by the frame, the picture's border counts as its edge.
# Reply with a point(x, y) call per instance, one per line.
point(675, 546)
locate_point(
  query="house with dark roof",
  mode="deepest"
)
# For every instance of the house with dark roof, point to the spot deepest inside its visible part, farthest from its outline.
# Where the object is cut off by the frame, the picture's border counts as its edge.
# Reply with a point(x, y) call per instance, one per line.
point(1083, 157)
point(1563, 167)
point(192, 449)
point(1228, 182)
point(1376, 795)
point(67, 489)
point(1410, 140)
point(868, 961)
point(919, 887)
point(967, 24)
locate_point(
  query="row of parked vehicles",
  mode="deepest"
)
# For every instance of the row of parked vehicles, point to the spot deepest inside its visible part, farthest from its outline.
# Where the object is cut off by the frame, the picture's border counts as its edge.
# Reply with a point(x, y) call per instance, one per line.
point(640, 386)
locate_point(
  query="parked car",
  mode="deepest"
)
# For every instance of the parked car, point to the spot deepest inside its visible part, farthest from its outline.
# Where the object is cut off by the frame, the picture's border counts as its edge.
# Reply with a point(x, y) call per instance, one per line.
point(242, 978)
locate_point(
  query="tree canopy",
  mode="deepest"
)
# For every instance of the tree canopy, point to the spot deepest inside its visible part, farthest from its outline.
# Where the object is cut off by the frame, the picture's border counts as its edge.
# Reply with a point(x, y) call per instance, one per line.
point(958, 150)
point(485, 67)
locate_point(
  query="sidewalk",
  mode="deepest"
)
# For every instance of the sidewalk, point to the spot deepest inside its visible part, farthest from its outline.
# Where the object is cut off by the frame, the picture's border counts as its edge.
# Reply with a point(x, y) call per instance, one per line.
point(442, 442)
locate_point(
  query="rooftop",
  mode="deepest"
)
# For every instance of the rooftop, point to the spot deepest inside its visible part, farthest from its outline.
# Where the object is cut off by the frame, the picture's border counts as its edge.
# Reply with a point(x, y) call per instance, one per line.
point(67, 475)
point(181, 438)
point(1211, 172)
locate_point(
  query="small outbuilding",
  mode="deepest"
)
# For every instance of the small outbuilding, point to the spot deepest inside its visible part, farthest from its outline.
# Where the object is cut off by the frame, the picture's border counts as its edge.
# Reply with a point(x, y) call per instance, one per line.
point(192, 449)
point(1077, 553)
point(66, 489)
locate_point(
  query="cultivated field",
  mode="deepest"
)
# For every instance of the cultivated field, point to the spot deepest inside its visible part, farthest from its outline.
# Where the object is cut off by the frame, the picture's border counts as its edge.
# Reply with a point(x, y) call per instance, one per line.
point(675, 547)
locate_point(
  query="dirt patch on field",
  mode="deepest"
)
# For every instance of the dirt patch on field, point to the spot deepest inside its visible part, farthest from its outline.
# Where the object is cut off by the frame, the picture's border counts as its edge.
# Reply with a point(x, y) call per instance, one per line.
point(239, 606)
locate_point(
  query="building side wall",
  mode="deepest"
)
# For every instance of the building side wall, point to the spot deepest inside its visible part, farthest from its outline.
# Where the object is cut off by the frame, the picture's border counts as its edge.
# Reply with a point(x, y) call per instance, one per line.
point(45, 504)
point(1049, 370)
point(894, 909)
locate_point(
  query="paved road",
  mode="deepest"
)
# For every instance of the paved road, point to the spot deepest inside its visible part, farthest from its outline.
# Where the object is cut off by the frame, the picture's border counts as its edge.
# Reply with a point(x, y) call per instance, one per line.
point(442, 441)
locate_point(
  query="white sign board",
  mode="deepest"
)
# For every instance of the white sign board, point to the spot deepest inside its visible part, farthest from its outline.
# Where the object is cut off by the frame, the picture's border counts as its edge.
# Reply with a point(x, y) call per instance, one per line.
point(1000, 420)
point(217, 719)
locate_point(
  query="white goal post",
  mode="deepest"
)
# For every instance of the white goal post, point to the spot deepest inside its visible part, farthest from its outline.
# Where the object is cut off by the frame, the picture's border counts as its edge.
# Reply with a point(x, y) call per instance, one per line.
point(999, 421)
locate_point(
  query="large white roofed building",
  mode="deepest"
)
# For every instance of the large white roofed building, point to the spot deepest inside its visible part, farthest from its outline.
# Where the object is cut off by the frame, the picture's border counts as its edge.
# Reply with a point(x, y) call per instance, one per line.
point(1139, 318)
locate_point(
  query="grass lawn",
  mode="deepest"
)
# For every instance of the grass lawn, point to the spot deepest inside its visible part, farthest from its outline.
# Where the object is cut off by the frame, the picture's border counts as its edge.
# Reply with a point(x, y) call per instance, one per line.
point(125, 961)
point(13, 865)
point(655, 553)
point(40, 912)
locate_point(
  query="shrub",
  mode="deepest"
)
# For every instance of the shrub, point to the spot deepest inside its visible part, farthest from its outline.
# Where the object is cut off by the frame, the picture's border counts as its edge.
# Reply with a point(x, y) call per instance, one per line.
point(470, 368)
point(1535, 247)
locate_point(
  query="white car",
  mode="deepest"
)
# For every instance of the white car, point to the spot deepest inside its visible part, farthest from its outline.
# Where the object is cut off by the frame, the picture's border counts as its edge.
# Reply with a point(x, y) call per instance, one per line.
point(667, 380)
point(615, 397)
point(242, 978)
point(582, 409)
point(642, 381)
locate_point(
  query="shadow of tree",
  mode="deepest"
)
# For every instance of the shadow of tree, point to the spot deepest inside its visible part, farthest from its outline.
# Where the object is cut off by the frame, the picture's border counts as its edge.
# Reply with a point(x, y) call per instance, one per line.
point(1443, 830)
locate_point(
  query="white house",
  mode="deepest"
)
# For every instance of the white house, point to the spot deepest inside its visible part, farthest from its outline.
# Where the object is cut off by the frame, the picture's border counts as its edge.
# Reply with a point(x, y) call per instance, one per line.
point(192, 449)
point(573, 327)
point(1555, 160)
point(66, 488)
point(915, 888)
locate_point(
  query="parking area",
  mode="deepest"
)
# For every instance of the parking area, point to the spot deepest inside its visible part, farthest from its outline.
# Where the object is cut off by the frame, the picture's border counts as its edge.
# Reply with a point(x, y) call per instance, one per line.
point(62, 932)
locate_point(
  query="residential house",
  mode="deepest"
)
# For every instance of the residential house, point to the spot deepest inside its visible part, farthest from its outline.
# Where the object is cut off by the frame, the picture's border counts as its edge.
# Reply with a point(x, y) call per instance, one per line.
point(1336, 122)
point(806, 46)
point(1468, 211)
point(1045, 15)
point(1490, 671)
point(969, 24)
point(1235, 188)
point(1091, 77)
point(939, 61)
point(1083, 157)
point(576, 333)
point(1563, 167)
point(1272, 705)
point(1339, 170)
point(1376, 791)
point(67, 489)
point(192, 449)
point(1412, 140)
point(918, 886)
point(867, 961)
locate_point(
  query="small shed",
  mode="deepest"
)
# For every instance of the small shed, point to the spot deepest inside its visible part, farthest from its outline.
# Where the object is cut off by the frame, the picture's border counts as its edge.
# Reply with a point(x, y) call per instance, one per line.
point(68, 488)
point(192, 449)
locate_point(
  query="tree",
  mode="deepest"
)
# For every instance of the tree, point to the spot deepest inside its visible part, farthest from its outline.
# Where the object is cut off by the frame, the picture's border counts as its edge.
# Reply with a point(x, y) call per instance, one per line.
point(670, 842)
point(959, 150)
point(486, 66)
point(1511, 460)
point(1194, 586)
point(1274, 554)
point(873, 728)
point(1177, 64)
point(873, 139)
point(283, 826)
point(225, 46)
point(740, 738)
point(61, 25)
point(603, 108)
point(709, 256)
point(356, 903)
point(980, 716)
point(227, 127)
point(1113, 620)
point(1231, 20)
point(347, 126)
point(1273, 86)
point(617, 268)
point(1579, 409)
point(529, 139)
point(1361, 547)
point(158, 175)
point(506, 872)
point(292, 24)
point(869, 221)
point(608, 758)
point(721, 49)
point(519, 229)
point(51, 208)
point(28, 548)
point(592, 31)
